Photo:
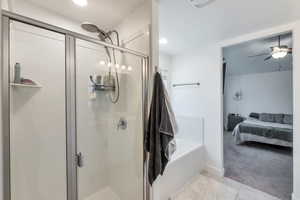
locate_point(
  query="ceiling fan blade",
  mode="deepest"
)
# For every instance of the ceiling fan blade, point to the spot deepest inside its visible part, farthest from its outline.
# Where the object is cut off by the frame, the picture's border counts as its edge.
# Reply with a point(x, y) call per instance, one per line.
point(262, 54)
point(268, 58)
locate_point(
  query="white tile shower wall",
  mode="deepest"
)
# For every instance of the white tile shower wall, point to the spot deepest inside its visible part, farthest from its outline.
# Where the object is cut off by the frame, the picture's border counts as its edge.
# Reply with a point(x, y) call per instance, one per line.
point(142, 44)
point(38, 136)
point(126, 146)
point(126, 174)
point(120, 153)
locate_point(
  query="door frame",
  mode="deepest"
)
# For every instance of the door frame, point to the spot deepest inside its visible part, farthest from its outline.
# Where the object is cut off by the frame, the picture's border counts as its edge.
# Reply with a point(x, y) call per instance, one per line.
point(271, 32)
point(70, 87)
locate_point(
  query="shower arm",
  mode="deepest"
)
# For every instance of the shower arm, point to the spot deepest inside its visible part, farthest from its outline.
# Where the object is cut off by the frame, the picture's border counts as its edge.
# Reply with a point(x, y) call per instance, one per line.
point(117, 36)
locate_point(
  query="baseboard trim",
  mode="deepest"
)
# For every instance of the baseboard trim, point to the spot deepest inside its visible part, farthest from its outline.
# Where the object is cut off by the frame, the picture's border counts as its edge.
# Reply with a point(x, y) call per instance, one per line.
point(214, 170)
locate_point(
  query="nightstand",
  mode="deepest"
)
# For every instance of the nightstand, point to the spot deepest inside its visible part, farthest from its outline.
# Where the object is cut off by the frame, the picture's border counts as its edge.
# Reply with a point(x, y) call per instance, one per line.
point(233, 120)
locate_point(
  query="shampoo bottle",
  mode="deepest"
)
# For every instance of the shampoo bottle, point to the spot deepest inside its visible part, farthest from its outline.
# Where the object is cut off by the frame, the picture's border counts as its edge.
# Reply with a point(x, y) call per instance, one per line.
point(17, 78)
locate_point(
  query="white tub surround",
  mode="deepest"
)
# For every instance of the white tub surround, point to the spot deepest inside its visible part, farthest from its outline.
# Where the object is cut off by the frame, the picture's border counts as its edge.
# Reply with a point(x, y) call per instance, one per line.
point(187, 162)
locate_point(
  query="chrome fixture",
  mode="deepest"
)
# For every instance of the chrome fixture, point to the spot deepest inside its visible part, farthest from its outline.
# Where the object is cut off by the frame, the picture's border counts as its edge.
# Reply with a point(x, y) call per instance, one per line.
point(122, 124)
point(71, 139)
point(112, 83)
point(79, 159)
point(106, 84)
point(186, 84)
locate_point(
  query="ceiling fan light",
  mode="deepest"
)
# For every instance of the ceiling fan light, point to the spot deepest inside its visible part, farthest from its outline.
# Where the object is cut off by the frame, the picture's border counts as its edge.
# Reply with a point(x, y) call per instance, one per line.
point(279, 54)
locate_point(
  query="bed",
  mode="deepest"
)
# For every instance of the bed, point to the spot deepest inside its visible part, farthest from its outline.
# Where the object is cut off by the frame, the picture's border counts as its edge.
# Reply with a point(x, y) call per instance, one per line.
point(264, 131)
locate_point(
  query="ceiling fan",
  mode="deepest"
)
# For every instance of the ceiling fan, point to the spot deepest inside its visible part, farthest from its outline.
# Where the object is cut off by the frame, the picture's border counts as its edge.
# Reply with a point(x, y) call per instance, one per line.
point(277, 52)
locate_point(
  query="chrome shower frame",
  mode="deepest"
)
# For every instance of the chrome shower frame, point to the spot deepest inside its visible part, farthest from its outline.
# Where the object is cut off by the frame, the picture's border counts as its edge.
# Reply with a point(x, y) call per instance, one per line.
point(70, 67)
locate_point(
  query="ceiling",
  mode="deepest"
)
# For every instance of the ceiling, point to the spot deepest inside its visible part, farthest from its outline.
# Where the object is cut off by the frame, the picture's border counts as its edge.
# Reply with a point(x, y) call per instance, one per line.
point(187, 27)
point(239, 62)
point(105, 13)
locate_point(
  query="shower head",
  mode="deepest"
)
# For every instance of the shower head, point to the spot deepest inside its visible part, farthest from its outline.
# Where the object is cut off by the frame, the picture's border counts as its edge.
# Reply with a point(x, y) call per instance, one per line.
point(94, 29)
point(90, 27)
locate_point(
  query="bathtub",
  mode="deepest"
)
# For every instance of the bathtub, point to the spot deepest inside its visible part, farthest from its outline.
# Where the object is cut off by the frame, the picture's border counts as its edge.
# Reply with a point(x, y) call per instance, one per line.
point(186, 163)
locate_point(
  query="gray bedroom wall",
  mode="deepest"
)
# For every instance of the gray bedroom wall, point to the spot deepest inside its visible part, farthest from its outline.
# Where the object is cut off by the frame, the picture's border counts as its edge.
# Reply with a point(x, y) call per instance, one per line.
point(263, 92)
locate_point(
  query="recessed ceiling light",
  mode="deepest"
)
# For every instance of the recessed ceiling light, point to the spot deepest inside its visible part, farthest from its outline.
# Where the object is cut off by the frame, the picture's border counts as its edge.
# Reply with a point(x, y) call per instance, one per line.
point(80, 3)
point(163, 41)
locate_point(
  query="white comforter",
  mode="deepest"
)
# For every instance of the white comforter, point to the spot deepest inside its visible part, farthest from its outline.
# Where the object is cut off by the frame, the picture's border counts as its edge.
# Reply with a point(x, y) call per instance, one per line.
point(267, 124)
point(243, 137)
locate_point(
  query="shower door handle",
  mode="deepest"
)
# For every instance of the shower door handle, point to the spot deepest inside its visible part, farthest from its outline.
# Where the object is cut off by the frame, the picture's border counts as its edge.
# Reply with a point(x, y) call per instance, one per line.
point(79, 159)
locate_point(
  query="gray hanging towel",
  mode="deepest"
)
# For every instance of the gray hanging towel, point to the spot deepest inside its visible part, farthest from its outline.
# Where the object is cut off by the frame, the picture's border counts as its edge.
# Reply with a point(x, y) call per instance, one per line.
point(159, 132)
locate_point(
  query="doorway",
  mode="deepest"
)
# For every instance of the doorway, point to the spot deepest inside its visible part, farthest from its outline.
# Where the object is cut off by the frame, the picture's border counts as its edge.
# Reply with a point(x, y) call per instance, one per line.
point(258, 113)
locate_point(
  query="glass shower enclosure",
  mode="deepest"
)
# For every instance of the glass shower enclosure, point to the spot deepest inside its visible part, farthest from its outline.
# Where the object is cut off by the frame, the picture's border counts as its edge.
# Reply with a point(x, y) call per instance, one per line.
point(73, 118)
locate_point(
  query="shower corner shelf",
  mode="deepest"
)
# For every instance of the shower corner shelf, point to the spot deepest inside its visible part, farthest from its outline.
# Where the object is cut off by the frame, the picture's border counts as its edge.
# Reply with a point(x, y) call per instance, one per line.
point(26, 85)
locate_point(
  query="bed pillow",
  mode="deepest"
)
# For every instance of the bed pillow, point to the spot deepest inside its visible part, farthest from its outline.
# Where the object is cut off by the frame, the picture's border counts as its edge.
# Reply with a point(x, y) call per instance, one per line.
point(278, 118)
point(254, 115)
point(288, 119)
point(269, 117)
point(266, 117)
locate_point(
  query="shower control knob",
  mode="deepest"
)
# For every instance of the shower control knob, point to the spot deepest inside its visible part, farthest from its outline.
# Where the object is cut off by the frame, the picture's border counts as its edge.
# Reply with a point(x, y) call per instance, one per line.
point(122, 124)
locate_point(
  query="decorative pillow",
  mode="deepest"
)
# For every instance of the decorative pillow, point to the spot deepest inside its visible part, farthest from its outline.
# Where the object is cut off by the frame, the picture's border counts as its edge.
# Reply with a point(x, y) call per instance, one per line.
point(254, 115)
point(266, 117)
point(288, 119)
point(278, 118)
point(269, 117)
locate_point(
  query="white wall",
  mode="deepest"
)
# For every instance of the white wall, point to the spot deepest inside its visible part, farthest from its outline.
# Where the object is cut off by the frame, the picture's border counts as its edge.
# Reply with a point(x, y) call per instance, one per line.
point(134, 29)
point(263, 92)
point(165, 68)
point(165, 61)
point(202, 66)
point(296, 84)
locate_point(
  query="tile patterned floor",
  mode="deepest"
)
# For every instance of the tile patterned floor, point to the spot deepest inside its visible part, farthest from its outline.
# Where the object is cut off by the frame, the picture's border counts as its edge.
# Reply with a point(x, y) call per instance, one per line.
point(209, 187)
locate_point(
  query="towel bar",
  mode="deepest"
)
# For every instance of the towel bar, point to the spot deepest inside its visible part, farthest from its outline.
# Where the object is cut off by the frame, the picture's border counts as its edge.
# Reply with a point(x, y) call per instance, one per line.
point(185, 84)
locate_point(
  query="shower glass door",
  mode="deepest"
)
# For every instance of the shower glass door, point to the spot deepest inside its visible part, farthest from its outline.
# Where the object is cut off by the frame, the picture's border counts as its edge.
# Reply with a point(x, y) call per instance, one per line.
point(109, 125)
point(37, 125)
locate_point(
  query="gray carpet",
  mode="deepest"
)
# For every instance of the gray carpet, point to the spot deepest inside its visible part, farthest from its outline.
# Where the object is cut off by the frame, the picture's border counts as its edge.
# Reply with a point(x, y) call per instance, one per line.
point(261, 166)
